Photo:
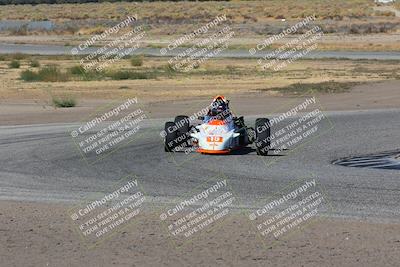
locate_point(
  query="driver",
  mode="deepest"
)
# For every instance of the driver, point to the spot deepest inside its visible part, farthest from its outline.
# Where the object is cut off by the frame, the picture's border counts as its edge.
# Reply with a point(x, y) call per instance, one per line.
point(219, 110)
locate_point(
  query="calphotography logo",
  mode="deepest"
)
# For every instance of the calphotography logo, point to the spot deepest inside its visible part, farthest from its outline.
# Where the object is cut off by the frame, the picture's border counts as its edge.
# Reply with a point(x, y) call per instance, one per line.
point(292, 50)
point(290, 210)
point(98, 219)
point(293, 129)
point(116, 43)
point(199, 211)
point(109, 130)
point(200, 49)
point(189, 37)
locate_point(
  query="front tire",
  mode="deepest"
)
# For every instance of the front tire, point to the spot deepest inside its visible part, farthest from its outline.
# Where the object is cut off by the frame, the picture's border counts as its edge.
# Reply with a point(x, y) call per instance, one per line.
point(182, 123)
point(170, 137)
point(182, 133)
point(263, 136)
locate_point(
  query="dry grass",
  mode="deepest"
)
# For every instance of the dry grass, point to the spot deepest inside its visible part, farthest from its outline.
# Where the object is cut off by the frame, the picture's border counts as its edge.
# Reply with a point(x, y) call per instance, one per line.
point(216, 76)
point(238, 11)
point(165, 21)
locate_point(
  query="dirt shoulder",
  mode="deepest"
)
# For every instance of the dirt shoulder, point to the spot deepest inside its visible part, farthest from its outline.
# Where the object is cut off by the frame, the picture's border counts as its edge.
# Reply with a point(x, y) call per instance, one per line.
point(381, 95)
point(35, 234)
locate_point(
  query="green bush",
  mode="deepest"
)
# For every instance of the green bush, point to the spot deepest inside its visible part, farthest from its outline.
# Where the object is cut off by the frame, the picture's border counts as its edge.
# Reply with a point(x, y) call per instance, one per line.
point(34, 64)
point(128, 75)
point(14, 64)
point(29, 76)
point(137, 61)
point(77, 70)
point(170, 69)
point(45, 74)
point(64, 102)
point(2, 58)
point(51, 74)
point(87, 75)
point(119, 75)
point(93, 75)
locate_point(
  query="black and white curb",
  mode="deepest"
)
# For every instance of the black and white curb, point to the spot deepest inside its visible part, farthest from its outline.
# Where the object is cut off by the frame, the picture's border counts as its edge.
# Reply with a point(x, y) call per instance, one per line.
point(384, 160)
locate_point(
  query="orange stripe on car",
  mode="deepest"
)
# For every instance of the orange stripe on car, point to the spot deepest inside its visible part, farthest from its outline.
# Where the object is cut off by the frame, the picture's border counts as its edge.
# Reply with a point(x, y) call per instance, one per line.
point(207, 151)
point(216, 122)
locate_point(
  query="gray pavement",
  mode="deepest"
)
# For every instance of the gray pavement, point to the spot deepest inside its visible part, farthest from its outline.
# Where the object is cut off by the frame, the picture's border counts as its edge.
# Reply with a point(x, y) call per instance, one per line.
point(41, 163)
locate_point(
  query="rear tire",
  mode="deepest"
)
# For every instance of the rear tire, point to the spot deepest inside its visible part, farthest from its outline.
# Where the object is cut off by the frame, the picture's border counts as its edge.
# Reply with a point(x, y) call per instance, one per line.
point(170, 137)
point(182, 132)
point(263, 135)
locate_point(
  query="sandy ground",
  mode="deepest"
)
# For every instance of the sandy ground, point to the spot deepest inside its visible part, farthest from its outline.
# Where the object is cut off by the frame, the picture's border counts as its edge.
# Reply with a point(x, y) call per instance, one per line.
point(35, 234)
point(367, 96)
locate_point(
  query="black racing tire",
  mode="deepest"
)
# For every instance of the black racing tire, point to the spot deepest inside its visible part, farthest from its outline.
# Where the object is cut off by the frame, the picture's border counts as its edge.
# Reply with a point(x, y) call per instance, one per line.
point(240, 122)
point(183, 127)
point(263, 135)
point(170, 137)
point(182, 123)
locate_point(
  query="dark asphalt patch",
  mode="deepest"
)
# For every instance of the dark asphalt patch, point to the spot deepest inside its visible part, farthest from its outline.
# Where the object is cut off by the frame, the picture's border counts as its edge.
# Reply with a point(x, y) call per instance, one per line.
point(386, 160)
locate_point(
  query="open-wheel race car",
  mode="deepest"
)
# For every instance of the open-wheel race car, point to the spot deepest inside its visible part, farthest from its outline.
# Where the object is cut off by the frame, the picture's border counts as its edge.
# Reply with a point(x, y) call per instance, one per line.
point(218, 132)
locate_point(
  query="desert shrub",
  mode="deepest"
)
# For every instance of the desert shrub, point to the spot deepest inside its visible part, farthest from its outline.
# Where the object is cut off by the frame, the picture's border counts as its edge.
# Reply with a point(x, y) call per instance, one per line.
point(170, 69)
point(66, 102)
point(29, 76)
point(137, 61)
point(14, 64)
point(93, 75)
point(77, 70)
point(45, 74)
point(128, 75)
point(23, 30)
point(87, 75)
point(51, 74)
point(34, 64)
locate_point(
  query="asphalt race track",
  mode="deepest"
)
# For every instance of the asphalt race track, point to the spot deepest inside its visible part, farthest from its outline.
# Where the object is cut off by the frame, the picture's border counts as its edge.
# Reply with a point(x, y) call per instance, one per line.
point(41, 163)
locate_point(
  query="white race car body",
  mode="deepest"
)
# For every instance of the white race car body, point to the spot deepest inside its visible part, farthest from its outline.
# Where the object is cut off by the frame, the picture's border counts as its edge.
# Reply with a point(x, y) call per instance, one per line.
point(216, 137)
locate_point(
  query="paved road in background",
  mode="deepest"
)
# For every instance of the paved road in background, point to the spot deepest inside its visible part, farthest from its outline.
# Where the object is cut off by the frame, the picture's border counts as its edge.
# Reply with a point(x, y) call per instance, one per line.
point(237, 53)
